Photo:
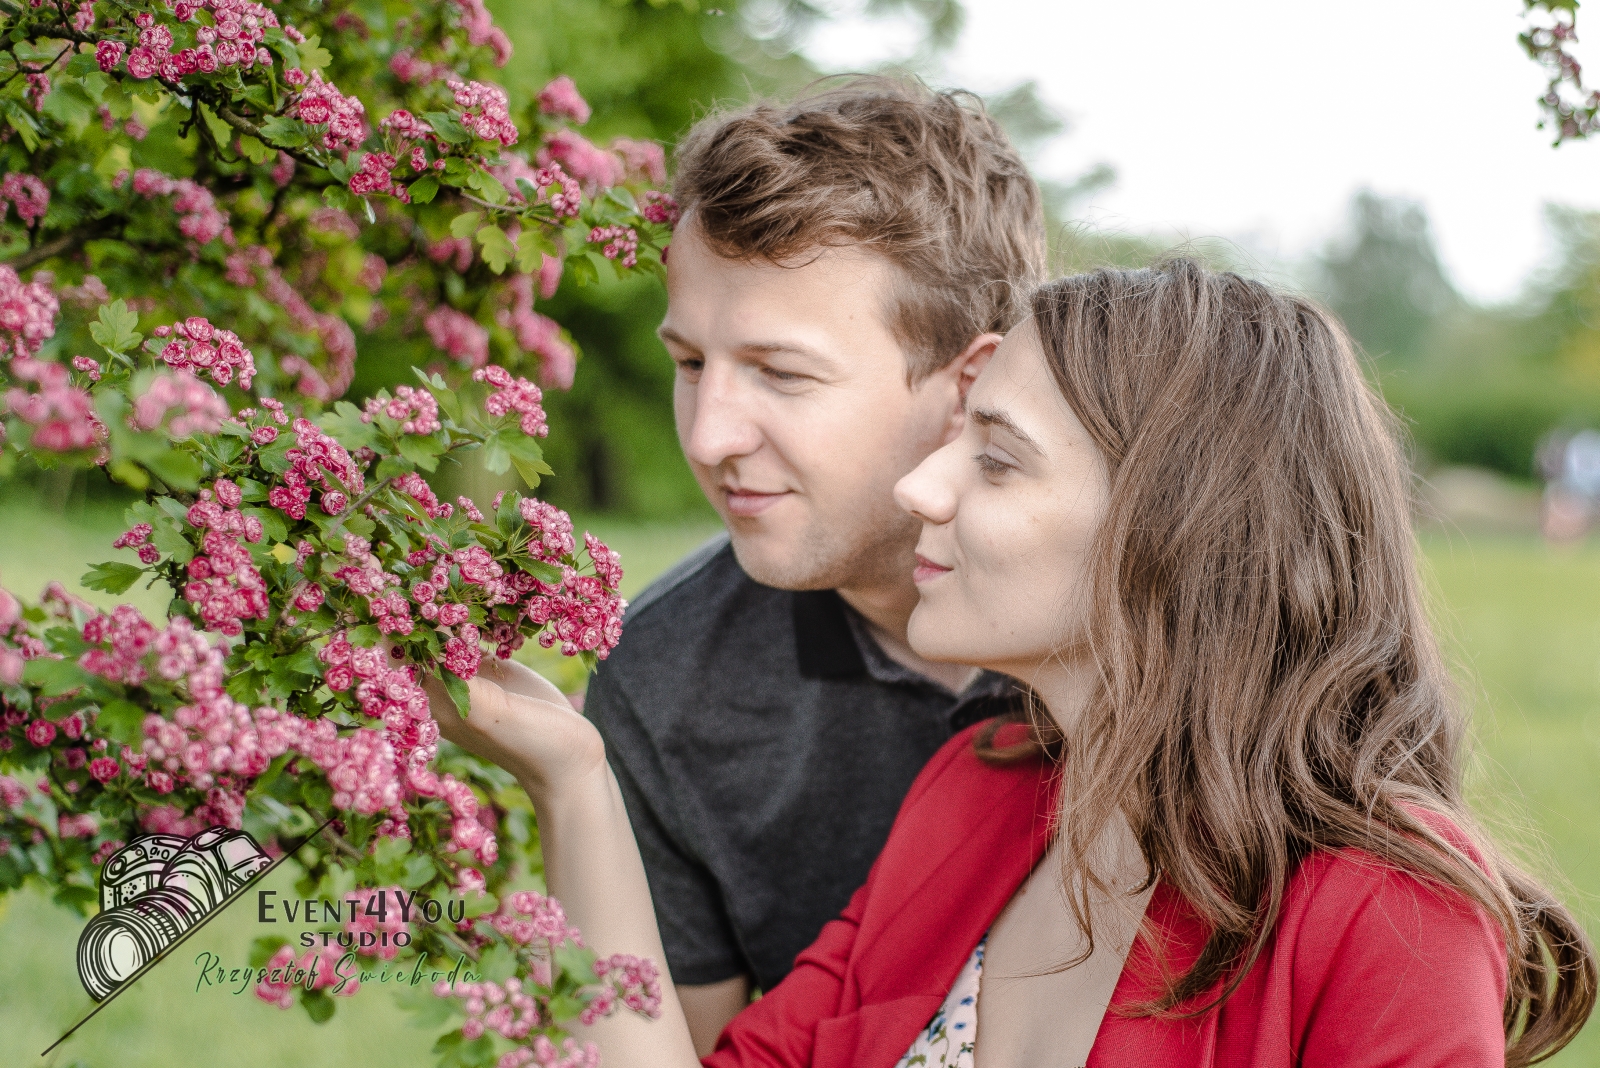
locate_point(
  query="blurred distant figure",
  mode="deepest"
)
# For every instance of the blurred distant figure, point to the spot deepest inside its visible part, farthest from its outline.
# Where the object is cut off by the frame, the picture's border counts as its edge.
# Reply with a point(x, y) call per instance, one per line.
point(1570, 465)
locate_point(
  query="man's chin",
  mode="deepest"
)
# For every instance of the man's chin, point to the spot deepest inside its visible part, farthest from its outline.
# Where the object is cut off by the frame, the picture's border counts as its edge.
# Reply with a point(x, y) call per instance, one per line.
point(776, 561)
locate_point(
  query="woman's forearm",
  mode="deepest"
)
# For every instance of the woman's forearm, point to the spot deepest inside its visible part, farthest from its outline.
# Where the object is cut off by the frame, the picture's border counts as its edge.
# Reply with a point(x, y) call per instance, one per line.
point(592, 866)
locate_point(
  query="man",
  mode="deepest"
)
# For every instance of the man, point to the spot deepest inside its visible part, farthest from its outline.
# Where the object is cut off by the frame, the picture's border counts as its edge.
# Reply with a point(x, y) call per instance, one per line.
point(842, 272)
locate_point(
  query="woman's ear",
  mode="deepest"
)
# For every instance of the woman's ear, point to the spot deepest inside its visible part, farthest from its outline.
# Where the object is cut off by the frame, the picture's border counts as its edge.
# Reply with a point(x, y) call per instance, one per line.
point(965, 369)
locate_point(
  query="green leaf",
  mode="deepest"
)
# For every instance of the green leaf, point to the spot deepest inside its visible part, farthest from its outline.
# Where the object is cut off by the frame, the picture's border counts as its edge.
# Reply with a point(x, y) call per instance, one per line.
point(530, 472)
point(23, 123)
point(530, 250)
point(449, 130)
point(319, 1006)
point(497, 964)
point(285, 132)
point(422, 451)
point(178, 469)
point(453, 684)
point(263, 948)
point(418, 870)
point(465, 223)
point(111, 577)
point(254, 150)
point(497, 248)
point(576, 963)
point(509, 516)
point(313, 57)
point(424, 189)
point(496, 457)
point(221, 132)
point(273, 527)
point(54, 677)
point(115, 327)
point(487, 184)
point(123, 721)
point(345, 423)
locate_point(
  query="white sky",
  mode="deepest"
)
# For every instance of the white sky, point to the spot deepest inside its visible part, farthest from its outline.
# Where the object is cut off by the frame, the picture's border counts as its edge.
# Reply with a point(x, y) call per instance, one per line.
point(1254, 120)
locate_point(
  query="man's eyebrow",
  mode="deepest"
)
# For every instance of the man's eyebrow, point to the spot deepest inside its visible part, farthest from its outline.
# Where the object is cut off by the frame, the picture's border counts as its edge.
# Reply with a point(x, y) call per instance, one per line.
point(995, 417)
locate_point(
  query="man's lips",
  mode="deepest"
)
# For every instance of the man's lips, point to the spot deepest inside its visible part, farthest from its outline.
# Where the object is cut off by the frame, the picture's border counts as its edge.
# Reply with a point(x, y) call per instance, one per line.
point(927, 570)
point(746, 503)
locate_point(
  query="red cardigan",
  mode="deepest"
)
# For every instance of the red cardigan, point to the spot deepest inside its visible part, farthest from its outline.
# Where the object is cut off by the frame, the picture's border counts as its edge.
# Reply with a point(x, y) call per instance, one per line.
point(1368, 966)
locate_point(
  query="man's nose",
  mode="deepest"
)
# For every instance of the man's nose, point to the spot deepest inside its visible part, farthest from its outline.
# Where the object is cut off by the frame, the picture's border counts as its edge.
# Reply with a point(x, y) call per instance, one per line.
point(723, 422)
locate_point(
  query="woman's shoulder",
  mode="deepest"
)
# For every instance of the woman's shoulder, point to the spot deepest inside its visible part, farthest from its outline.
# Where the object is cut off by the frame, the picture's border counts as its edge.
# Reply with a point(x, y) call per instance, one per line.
point(958, 767)
point(1348, 904)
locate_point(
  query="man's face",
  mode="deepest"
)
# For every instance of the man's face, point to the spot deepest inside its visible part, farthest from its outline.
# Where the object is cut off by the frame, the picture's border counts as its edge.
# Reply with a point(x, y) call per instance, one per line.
point(793, 410)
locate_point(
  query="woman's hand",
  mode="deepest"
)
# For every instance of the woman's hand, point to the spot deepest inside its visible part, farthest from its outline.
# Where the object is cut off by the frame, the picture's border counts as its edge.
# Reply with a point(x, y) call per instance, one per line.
point(520, 721)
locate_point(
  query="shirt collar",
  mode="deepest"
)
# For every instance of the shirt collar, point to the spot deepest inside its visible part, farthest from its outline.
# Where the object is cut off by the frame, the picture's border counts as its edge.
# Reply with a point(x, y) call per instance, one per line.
point(832, 642)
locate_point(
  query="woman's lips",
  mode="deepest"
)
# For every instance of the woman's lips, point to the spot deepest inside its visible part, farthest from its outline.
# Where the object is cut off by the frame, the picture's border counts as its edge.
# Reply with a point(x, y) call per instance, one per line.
point(927, 570)
point(747, 503)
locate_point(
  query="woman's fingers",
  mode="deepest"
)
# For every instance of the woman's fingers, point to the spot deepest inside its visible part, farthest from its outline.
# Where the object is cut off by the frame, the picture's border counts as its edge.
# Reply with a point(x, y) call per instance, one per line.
point(516, 677)
point(529, 736)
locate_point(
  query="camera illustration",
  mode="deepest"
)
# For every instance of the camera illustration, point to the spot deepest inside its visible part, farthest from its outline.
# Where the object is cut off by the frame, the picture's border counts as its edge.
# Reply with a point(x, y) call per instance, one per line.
point(153, 890)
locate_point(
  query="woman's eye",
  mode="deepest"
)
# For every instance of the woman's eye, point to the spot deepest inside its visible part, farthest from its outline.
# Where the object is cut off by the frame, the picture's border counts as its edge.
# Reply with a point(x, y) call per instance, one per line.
point(691, 367)
point(991, 465)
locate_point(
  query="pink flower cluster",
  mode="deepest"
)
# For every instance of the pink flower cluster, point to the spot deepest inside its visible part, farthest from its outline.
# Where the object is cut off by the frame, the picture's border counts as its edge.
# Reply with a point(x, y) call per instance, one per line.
point(61, 414)
point(545, 1054)
point(335, 335)
point(27, 194)
point(459, 335)
point(558, 188)
point(583, 612)
point(405, 65)
point(224, 586)
point(28, 312)
point(526, 916)
point(514, 395)
point(321, 104)
point(484, 111)
point(14, 628)
point(414, 409)
point(481, 30)
point(200, 410)
point(317, 460)
point(592, 165)
point(659, 207)
point(12, 793)
point(199, 218)
point(315, 969)
point(138, 537)
point(552, 530)
point(635, 981)
point(196, 344)
point(373, 177)
point(621, 242)
point(561, 99)
point(642, 159)
point(416, 487)
point(499, 1007)
point(233, 40)
point(392, 695)
point(539, 334)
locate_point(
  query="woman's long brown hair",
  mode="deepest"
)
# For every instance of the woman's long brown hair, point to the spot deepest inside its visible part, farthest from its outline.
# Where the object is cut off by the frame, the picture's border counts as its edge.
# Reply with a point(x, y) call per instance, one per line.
point(1269, 681)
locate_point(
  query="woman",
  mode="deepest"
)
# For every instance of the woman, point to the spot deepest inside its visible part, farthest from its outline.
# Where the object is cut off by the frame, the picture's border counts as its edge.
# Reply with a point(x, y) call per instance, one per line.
point(1179, 515)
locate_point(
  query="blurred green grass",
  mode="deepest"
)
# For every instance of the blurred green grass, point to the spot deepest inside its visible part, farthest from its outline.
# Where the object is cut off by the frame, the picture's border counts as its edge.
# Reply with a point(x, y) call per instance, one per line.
point(1520, 619)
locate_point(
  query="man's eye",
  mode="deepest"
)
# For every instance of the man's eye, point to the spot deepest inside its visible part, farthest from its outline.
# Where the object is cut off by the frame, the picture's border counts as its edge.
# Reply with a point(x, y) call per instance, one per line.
point(781, 376)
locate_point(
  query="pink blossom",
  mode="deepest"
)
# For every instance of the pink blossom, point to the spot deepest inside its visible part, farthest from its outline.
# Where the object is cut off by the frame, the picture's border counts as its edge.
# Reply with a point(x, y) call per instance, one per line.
point(458, 335)
point(61, 414)
point(198, 409)
point(514, 395)
point(591, 165)
point(198, 346)
point(27, 194)
point(78, 826)
point(40, 732)
point(415, 410)
point(560, 98)
point(104, 769)
point(320, 103)
point(28, 312)
point(621, 243)
point(642, 159)
point(659, 207)
point(484, 111)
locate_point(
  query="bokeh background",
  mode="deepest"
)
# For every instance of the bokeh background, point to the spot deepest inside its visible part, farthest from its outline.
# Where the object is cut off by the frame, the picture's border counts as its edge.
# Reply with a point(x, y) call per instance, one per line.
point(1383, 157)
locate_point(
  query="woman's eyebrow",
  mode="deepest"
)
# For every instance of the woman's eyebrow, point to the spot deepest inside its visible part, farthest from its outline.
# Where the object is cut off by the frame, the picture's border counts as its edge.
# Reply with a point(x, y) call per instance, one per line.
point(995, 417)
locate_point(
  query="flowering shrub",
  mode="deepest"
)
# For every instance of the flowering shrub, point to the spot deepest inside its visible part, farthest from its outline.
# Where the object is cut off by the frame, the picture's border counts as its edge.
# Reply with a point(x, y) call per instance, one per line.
point(205, 214)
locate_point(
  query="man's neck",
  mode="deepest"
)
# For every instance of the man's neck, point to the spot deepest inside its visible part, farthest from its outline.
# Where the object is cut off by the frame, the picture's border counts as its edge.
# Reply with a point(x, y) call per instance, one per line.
point(886, 611)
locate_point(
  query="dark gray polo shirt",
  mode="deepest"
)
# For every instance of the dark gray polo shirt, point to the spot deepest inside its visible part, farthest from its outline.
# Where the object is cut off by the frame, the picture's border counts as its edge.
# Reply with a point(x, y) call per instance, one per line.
point(763, 742)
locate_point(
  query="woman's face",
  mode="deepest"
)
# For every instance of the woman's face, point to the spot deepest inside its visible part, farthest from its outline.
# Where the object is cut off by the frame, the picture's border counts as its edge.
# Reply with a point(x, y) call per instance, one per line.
point(1009, 510)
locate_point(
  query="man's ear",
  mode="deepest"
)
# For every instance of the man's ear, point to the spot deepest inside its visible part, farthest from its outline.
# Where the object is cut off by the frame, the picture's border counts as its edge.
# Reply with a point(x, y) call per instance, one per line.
point(965, 369)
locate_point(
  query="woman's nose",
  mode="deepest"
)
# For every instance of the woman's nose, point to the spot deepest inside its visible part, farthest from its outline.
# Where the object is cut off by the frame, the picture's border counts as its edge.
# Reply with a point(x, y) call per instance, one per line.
point(929, 491)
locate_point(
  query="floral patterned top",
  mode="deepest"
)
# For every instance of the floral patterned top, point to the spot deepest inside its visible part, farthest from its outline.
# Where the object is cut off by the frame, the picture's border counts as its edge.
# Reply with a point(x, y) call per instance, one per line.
point(951, 1036)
